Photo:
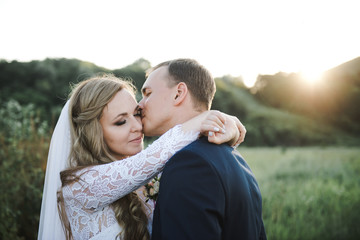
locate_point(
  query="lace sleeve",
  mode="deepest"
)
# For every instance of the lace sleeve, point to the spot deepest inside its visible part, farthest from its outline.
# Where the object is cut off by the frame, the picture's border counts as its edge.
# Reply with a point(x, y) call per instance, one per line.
point(103, 184)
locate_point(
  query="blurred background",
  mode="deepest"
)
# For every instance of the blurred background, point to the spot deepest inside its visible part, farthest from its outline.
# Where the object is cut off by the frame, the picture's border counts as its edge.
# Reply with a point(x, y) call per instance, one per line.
point(289, 70)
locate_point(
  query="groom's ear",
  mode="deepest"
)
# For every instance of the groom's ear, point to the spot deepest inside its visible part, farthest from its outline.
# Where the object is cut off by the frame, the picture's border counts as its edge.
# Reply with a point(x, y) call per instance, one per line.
point(181, 93)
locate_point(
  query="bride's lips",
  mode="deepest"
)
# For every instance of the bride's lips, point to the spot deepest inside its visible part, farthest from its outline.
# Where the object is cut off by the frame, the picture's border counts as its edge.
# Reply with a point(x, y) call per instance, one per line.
point(137, 140)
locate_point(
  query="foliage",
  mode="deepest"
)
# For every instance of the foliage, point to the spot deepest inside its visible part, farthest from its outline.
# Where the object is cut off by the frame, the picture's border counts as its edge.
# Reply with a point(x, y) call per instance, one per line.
point(47, 83)
point(279, 111)
point(44, 83)
point(269, 126)
point(332, 100)
point(308, 193)
point(24, 141)
point(135, 72)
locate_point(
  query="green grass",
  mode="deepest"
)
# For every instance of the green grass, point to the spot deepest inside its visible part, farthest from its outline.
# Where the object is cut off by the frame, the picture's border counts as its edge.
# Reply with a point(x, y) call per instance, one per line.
point(308, 193)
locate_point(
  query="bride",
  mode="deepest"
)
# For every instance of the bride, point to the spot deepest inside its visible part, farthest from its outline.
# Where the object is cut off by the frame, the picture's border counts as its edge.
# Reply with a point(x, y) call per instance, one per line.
point(97, 149)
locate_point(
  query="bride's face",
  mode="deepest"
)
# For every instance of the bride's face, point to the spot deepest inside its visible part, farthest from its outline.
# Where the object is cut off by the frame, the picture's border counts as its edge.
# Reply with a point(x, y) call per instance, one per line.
point(121, 125)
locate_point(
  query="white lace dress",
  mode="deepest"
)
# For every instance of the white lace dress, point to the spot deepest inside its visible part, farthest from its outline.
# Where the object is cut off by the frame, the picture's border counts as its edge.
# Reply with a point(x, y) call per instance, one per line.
point(87, 201)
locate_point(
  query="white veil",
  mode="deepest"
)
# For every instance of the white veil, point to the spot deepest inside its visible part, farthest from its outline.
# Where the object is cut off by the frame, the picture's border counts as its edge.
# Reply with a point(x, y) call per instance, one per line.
point(50, 226)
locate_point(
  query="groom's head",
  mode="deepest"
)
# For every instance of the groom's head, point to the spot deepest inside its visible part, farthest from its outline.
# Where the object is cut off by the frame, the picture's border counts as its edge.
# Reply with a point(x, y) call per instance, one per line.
point(174, 92)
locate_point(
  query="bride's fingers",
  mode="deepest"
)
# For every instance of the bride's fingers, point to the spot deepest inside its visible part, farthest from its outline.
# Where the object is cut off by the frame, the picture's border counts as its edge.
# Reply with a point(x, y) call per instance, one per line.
point(215, 125)
point(216, 116)
point(210, 127)
point(240, 127)
point(219, 138)
point(242, 131)
point(213, 122)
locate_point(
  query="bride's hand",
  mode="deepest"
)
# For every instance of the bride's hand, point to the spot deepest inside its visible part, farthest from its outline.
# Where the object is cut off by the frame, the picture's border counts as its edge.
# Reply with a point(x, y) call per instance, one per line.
point(235, 131)
point(219, 127)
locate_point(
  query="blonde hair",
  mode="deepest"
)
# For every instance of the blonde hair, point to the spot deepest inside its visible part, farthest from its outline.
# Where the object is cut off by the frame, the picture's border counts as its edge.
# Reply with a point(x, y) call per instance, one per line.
point(87, 102)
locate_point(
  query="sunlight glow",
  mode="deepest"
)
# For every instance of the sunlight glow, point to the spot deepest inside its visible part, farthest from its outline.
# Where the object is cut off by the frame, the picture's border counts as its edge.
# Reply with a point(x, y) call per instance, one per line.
point(312, 77)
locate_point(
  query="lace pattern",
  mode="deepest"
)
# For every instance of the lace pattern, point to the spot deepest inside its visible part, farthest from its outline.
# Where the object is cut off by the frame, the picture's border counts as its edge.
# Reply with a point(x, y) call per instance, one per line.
point(87, 201)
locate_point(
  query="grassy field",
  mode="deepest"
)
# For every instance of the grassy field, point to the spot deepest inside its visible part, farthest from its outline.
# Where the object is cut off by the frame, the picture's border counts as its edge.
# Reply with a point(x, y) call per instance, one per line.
point(308, 193)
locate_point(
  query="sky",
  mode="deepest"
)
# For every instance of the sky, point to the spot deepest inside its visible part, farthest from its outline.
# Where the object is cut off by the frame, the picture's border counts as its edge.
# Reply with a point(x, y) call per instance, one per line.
point(238, 38)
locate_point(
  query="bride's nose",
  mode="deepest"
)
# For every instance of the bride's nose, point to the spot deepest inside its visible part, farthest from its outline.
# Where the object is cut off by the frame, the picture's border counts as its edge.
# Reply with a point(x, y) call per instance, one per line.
point(136, 124)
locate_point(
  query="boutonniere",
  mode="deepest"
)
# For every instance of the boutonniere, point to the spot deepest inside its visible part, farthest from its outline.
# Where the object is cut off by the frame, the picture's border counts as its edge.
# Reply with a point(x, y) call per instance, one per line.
point(151, 190)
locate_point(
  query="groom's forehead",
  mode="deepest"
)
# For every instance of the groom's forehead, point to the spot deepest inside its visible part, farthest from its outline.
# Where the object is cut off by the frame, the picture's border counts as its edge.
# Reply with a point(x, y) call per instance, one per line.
point(154, 83)
point(158, 78)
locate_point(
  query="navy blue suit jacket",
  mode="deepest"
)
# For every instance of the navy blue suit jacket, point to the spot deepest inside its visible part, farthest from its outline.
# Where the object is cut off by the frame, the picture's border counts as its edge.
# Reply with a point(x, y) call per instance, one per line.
point(208, 191)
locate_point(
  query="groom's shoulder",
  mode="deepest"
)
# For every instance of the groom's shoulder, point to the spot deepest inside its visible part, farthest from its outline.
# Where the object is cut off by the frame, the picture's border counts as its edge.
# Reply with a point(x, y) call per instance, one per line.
point(202, 145)
point(205, 149)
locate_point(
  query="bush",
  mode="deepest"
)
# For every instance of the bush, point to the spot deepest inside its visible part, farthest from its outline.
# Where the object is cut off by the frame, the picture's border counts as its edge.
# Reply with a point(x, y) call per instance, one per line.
point(24, 141)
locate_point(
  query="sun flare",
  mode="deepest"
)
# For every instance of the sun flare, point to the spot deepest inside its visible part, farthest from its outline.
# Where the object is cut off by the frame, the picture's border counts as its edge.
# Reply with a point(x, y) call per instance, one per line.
point(312, 76)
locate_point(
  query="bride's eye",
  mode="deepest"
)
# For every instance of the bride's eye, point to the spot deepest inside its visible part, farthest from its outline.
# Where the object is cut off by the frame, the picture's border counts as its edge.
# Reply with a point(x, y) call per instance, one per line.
point(119, 123)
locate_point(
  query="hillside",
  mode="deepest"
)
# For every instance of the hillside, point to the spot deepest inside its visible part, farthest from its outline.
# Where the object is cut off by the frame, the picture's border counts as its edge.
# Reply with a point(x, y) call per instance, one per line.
point(332, 100)
point(269, 126)
point(351, 69)
point(279, 113)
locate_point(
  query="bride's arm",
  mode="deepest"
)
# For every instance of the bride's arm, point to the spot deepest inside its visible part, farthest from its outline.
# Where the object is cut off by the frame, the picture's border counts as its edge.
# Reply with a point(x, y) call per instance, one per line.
point(101, 185)
point(235, 130)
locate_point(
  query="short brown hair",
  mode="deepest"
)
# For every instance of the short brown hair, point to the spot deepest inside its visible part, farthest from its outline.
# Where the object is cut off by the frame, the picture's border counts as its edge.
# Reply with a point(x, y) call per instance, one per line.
point(198, 79)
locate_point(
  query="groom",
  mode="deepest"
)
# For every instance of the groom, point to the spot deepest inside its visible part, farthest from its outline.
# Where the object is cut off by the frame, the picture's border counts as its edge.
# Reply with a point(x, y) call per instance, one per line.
point(207, 191)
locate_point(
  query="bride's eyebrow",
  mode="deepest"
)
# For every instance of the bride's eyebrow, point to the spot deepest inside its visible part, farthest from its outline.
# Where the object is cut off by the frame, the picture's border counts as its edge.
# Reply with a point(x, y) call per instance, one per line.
point(120, 114)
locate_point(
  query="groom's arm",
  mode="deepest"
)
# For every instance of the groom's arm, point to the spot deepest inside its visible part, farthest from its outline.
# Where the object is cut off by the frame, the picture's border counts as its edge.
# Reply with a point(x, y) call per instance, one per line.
point(191, 200)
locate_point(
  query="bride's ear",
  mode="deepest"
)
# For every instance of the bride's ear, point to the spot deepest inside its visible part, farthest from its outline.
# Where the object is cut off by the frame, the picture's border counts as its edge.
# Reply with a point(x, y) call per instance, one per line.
point(181, 93)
